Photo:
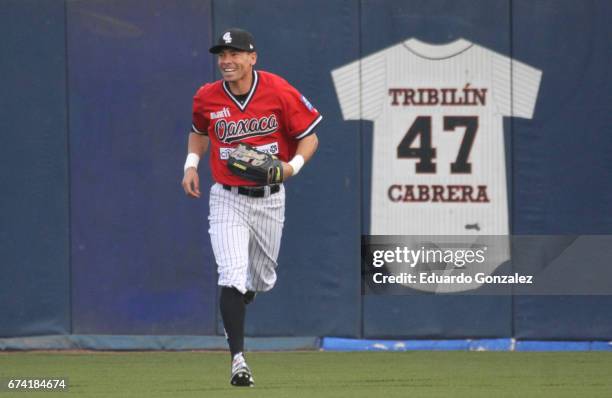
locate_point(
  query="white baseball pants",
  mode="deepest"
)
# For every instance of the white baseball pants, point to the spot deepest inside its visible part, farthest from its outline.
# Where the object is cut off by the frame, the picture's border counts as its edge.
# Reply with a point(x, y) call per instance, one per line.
point(245, 233)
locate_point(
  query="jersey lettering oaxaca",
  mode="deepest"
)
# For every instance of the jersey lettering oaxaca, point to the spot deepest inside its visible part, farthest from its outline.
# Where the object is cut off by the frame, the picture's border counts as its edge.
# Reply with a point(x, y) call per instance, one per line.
point(273, 118)
point(438, 156)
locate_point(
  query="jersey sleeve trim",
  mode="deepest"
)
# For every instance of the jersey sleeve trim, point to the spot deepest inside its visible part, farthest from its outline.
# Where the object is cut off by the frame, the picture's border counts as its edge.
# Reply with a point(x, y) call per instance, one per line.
point(196, 131)
point(310, 128)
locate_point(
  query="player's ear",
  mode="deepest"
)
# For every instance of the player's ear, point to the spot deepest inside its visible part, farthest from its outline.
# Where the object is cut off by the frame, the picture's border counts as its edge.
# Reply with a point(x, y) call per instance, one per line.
point(253, 58)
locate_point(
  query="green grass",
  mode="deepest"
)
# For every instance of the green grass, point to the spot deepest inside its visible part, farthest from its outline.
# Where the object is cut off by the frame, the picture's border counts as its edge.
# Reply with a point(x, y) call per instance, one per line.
point(321, 374)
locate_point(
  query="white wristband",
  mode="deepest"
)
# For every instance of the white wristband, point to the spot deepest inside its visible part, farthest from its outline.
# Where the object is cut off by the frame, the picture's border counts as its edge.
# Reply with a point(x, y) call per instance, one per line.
point(192, 161)
point(296, 163)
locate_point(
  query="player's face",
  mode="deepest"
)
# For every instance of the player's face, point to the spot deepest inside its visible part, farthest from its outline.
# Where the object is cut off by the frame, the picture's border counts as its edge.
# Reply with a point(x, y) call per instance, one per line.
point(236, 65)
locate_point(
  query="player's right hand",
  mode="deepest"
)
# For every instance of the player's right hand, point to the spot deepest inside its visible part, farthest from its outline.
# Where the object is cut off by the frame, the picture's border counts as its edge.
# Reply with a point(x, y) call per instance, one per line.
point(191, 183)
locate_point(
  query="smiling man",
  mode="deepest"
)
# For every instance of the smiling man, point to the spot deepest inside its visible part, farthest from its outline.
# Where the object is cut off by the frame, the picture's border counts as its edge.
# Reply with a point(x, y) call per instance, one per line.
point(246, 217)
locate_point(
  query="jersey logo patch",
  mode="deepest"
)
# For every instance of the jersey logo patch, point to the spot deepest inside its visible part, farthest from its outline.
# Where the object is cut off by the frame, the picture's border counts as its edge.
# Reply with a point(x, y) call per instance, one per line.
point(225, 112)
point(308, 104)
point(271, 148)
point(227, 37)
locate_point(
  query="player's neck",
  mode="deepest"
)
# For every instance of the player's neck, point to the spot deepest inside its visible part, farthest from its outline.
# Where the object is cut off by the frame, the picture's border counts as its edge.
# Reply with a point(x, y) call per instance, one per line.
point(242, 86)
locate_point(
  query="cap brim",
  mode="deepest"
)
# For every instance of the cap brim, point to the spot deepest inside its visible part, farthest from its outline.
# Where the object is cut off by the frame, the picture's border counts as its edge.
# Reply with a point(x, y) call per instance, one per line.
point(220, 47)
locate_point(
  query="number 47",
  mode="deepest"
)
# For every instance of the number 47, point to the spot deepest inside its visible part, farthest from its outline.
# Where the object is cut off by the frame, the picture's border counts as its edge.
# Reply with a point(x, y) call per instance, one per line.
point(426, 153)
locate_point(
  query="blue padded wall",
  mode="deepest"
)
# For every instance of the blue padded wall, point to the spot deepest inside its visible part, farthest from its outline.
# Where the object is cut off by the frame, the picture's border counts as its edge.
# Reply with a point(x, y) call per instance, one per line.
point(34, 226)
point(563, 157)
point(97, 236)
point(141, 258)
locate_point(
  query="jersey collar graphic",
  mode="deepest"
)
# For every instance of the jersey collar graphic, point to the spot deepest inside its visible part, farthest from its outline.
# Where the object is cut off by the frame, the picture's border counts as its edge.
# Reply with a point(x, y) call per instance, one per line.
point(243, 106)
point(435, 52)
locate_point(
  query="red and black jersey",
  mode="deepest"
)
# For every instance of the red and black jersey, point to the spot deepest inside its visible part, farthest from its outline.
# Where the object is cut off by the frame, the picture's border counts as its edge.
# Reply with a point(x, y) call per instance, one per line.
point(273, 117)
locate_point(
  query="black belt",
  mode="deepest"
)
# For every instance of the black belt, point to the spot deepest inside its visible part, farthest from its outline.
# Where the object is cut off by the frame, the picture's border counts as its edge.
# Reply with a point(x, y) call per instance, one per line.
point(254, 192)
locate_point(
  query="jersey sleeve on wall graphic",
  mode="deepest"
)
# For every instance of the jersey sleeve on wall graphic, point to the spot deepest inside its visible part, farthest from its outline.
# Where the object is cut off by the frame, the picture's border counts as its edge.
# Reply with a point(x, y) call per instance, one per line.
point(514, 81)
point(361, 101)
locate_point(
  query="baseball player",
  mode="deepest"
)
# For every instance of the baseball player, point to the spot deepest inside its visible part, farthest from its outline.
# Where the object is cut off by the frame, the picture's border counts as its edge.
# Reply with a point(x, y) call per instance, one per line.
point(260, 131)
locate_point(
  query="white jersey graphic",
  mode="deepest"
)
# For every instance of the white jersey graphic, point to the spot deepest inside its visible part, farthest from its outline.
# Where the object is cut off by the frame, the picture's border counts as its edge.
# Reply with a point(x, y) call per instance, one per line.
point(438, 157)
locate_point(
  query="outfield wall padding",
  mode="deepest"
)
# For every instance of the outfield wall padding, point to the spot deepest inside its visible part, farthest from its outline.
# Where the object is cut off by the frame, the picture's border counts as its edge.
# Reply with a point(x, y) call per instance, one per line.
point(98, 238)
point(563, 157)
point(141, 258)
point(34, 204)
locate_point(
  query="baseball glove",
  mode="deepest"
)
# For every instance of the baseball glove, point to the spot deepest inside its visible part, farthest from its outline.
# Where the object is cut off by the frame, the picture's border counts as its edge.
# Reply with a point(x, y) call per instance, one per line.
point(254, 165)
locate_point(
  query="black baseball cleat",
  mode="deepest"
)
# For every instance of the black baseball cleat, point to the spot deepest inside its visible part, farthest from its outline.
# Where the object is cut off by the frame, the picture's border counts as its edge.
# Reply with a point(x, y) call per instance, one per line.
point(241, 373)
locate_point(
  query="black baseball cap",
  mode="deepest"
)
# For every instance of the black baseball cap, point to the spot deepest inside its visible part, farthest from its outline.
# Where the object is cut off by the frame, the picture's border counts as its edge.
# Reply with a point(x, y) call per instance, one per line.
point(238, 39)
